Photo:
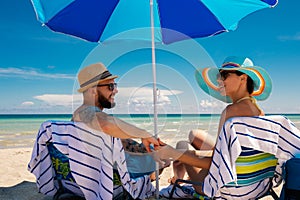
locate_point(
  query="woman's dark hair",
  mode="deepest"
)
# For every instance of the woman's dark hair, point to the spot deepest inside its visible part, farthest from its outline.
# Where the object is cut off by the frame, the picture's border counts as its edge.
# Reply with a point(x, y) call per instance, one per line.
point(250, 82)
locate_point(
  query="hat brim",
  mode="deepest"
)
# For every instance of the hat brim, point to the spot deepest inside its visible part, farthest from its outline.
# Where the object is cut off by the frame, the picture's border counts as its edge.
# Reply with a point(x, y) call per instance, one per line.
point(207, 80)
point(95, 83)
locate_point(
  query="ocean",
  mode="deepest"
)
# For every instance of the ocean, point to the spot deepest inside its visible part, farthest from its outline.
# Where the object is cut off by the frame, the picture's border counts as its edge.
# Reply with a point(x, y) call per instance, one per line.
point(21, 130)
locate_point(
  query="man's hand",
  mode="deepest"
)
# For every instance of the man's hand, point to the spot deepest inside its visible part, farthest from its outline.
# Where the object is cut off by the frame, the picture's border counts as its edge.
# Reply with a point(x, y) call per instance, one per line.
point(148, 141)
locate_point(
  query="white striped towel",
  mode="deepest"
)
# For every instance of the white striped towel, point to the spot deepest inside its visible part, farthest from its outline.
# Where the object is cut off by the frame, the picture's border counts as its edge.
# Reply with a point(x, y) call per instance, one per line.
point(271, 134)
point(92, 155)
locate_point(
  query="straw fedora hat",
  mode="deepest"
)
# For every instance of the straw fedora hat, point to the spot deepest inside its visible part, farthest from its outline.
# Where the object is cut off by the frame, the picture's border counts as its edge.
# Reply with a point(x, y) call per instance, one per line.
point(207, 78)
point(92, 75)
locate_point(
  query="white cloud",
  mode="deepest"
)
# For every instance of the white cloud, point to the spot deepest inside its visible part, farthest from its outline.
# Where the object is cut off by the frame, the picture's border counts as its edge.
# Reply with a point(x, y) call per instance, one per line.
point(130, 99)
point(31, 73)
point(211, 104)
point(51, 67)
point(27, 103)
point(140, 100)
point(60, 99)
point(144, 95)
point(295, 37)
point(163, 100)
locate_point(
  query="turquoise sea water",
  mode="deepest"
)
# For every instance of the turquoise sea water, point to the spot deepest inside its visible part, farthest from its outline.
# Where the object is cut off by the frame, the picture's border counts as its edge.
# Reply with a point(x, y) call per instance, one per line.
point(21, 130)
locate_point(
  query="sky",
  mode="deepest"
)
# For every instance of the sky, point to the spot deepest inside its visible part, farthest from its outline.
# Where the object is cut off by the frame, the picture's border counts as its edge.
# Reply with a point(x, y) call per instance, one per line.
point(38, 67)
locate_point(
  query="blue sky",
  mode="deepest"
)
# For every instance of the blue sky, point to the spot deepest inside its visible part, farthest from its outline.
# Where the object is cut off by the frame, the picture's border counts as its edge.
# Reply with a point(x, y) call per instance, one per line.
point(38, 67)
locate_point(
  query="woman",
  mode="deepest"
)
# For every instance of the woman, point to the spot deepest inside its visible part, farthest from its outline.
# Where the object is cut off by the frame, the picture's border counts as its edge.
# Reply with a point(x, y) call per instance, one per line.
point(237, 82)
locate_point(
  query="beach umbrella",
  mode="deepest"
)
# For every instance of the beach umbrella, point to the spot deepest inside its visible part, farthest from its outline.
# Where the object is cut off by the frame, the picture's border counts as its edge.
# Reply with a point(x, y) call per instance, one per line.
point(163, 21)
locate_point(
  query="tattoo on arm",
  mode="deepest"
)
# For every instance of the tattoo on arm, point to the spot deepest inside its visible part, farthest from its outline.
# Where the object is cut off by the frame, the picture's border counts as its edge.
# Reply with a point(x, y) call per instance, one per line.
point(88, 113)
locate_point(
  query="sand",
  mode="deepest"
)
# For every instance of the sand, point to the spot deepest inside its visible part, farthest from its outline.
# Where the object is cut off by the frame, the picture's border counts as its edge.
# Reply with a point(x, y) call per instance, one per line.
point(16, 183)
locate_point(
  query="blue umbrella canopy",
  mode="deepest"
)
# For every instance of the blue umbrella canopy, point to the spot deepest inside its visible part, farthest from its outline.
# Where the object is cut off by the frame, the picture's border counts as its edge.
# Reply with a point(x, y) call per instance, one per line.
point(174, 20)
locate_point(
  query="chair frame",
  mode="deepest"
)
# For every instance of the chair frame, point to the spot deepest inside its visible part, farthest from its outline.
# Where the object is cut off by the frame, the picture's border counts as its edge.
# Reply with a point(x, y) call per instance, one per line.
point(270, 191)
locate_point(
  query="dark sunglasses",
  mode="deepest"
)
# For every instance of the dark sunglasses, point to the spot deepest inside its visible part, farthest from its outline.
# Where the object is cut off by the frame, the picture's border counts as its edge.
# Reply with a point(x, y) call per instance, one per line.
point(111, 86)
point(223, 75)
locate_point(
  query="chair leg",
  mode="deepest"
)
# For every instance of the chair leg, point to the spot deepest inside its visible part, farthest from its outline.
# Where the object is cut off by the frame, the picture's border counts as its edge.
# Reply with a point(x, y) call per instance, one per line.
point(176, 184)
point(59, 191)
point(273, 194)
point(64, 194)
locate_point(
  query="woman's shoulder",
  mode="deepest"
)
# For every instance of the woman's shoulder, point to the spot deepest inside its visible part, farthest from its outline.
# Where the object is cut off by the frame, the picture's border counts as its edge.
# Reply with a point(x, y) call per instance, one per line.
point(232, 108)
point(241, 109)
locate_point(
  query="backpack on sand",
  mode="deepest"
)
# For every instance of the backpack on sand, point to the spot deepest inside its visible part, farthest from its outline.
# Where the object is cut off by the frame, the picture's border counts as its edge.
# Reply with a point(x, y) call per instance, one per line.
point(291, 187)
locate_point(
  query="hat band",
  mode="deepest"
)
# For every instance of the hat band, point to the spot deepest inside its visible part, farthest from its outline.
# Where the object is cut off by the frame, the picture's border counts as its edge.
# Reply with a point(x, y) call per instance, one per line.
point(97, 78)
point(230, 65)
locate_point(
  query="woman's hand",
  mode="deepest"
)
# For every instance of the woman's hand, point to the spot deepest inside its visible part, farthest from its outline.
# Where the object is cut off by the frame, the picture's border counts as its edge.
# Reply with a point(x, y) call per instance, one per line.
point(166, 152)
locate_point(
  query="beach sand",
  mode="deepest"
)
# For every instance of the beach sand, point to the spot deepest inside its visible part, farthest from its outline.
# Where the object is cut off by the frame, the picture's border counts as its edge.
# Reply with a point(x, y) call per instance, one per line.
point(16, 183)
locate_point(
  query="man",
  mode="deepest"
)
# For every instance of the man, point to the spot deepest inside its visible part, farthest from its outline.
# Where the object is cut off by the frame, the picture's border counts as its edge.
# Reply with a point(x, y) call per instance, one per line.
point(99, 89)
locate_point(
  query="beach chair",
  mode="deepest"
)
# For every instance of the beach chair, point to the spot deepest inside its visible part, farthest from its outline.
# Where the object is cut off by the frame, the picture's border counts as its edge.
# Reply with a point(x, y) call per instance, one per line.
point(69, 156)
point(252, 166)
point(248, 158)
point(62, 172)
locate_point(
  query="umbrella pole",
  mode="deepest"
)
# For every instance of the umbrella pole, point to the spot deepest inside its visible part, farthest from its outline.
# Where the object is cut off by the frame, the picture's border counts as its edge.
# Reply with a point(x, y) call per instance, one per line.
point(154, 93)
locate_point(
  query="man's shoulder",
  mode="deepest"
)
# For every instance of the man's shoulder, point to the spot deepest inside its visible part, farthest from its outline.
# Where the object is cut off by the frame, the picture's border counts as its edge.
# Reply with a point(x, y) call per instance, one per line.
point(86, 113)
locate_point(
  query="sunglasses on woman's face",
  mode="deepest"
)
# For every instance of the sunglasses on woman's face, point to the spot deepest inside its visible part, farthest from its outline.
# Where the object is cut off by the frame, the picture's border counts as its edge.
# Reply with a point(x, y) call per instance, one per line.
point(111, 86)
point(223, 75)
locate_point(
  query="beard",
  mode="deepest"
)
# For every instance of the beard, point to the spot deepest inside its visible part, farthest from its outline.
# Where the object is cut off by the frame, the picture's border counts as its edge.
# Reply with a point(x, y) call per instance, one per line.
point(104, 102)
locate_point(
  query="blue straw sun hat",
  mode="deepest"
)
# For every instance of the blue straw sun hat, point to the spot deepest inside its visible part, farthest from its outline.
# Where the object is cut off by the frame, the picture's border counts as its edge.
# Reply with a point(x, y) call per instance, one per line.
point(207, 78)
